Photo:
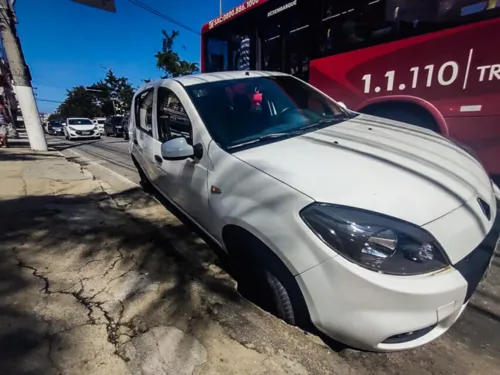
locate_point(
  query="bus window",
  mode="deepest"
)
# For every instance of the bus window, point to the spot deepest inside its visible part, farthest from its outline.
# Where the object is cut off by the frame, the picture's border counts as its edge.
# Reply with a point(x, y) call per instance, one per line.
point(351, 25)
point(216, 55)
point(299, 52)
point(272, 49)
point(241, 52)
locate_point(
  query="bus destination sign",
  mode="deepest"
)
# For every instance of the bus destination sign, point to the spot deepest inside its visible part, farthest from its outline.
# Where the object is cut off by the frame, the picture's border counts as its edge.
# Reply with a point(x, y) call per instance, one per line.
point(248, 4)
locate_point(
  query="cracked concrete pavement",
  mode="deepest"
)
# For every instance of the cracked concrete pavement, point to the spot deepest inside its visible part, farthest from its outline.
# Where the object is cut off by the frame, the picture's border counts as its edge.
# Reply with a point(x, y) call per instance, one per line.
point(99, 281)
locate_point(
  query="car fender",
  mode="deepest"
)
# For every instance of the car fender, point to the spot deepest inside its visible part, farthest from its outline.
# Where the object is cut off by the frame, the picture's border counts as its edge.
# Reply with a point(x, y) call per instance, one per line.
point(244, 196)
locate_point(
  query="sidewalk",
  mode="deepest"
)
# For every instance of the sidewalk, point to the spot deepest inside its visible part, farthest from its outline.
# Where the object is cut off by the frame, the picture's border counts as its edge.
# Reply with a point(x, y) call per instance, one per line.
point(100, 282)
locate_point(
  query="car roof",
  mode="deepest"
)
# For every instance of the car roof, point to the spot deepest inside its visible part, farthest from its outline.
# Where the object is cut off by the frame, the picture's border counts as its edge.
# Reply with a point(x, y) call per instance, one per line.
point(195, 79)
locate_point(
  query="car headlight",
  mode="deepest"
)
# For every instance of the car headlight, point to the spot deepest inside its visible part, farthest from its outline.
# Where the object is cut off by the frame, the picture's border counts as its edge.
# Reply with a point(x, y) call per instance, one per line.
point(72, 128)
point(374, 241)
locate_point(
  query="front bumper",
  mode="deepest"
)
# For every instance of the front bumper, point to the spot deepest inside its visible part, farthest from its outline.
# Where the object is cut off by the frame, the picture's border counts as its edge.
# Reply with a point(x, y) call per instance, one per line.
point(84, 134)
point(56, 132)
point(379, 312)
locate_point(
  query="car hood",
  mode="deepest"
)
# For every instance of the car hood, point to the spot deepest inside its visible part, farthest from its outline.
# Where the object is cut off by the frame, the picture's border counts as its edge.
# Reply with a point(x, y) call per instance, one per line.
point(82, 127)
point(378, 165)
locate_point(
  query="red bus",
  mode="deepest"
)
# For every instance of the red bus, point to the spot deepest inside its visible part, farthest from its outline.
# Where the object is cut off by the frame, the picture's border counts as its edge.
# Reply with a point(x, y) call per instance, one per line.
point(432, 63)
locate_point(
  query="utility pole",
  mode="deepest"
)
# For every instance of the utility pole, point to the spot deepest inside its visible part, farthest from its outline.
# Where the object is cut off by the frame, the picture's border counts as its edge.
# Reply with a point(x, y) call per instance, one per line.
point(21, 77)
point(220, 7)
point(110, 98)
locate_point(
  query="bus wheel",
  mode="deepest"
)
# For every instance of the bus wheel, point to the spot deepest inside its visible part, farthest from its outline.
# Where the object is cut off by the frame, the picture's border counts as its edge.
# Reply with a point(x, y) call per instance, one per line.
point(409, 113)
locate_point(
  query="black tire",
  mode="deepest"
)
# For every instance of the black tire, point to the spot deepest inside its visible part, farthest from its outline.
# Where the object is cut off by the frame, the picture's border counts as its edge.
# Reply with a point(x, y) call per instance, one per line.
point(264, 280)
point(266, 289)
point(281, 300)
point(144, 181)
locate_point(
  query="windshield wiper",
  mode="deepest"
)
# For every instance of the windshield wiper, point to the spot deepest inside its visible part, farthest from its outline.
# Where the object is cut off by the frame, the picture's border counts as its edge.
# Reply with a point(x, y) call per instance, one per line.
point(262, 138)
point(330, 120)
point(291, 133)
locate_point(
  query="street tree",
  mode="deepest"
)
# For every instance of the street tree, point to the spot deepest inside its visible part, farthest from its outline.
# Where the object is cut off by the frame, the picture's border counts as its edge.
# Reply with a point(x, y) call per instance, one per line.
point(79, 103)
point(169, 61)
point(113, 89)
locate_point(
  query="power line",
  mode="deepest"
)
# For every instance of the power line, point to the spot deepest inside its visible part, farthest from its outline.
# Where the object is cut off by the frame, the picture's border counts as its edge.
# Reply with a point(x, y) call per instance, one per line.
point(161, 15)
point(48, 100)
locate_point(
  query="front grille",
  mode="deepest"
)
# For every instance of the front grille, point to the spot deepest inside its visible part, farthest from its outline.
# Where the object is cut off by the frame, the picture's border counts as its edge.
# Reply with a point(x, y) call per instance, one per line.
point(84, 132)
point(474, 265)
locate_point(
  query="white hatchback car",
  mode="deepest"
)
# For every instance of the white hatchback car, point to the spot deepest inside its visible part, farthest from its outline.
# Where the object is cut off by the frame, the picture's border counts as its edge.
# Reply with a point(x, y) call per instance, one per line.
point(99, 122)
point(78, 127)
point(377, 232)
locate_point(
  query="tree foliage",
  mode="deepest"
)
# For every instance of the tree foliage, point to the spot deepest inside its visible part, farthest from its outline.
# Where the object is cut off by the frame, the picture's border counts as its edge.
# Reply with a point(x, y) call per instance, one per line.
point(116, 89)
point(79, 103)
point(169, 61)
point(97, 99)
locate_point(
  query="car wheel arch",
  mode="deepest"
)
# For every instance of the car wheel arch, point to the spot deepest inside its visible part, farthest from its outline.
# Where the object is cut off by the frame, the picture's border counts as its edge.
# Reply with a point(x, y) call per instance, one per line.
point(434, 122)
point(240, 242)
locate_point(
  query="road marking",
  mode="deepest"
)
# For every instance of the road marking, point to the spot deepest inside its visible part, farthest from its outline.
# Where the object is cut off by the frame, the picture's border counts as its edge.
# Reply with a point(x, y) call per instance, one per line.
point(116, 174)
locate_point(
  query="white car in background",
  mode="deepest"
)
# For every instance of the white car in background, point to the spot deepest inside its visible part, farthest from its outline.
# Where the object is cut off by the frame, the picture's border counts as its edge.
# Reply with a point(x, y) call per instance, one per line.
point(99, 122)
point(376, 231)
point(79, 127)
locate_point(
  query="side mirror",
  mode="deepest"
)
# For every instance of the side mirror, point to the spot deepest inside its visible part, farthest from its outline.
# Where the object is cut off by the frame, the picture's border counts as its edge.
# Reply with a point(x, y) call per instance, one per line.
point(341, 104)
point(176, 149)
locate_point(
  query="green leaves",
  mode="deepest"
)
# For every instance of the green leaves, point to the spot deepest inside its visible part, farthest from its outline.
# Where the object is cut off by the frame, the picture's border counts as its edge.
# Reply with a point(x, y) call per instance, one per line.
point(169, 61)
point(97, 99)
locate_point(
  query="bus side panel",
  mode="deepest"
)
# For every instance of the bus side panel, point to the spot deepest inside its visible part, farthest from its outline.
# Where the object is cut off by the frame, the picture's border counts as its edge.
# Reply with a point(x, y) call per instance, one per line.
point(485, 142)
point(457, 70)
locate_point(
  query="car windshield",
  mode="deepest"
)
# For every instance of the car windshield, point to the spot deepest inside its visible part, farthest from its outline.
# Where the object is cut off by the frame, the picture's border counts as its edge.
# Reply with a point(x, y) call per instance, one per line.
point(101, 121)
point(55, 123)
point(80, 121)
point(116, 120)
point(251, 111)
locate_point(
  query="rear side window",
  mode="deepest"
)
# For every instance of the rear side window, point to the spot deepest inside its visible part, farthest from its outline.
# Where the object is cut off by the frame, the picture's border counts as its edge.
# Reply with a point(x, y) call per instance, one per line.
point(144, 111)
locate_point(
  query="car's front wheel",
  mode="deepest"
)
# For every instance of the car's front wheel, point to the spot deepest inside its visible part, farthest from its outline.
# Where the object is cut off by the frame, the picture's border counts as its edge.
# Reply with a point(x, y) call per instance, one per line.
point(144, 181)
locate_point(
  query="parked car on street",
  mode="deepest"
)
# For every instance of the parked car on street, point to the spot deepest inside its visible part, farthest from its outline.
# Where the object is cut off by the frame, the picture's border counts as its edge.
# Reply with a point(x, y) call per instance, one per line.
point(78, 127)
point(113, 126)
point(99, 122)
point(55, 127)
point(376, 231)
point(125, 126)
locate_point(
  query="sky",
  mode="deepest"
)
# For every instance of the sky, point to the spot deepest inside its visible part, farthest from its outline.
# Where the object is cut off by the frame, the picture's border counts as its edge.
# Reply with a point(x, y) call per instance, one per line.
point(66, 44)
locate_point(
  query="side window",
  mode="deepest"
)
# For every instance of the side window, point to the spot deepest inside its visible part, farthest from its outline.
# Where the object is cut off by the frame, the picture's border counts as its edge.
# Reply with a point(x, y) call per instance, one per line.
point(173, 120)
point(144, 111)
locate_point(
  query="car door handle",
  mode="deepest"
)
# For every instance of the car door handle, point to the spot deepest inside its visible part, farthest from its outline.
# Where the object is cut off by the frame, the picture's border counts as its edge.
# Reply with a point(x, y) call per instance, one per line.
point(158, 159)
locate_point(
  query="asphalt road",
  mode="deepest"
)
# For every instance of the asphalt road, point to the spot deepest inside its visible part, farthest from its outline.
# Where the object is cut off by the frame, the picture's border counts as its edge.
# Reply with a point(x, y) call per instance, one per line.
point(472, 346)
point(108, 157)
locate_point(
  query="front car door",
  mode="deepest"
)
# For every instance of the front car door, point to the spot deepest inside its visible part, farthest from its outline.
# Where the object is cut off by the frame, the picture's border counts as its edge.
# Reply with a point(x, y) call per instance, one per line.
point(183, 181)
point(142, 133)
